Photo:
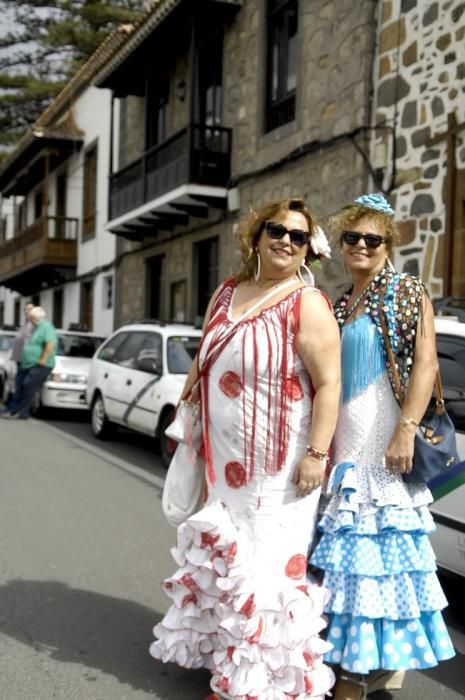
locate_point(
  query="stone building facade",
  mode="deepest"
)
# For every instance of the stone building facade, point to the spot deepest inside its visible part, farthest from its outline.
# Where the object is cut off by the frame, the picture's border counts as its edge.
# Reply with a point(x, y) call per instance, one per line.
point(419, 147)
point(315, 154)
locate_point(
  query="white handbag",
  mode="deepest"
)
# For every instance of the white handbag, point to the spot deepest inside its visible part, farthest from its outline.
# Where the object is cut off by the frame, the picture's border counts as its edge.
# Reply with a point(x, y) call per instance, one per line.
point(184, 489)
point(187, 425)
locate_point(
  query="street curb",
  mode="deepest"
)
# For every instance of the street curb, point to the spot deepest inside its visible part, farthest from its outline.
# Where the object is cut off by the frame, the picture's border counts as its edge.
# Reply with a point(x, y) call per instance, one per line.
point(105, 456)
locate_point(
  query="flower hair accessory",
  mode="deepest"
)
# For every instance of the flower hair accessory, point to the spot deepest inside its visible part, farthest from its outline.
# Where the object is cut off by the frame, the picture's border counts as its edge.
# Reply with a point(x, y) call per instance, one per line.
point(375, 201)
point(319, 243)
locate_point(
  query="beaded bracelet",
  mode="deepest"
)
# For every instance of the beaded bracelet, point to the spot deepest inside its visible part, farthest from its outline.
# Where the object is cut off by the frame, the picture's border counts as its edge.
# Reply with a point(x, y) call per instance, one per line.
point(318, 454)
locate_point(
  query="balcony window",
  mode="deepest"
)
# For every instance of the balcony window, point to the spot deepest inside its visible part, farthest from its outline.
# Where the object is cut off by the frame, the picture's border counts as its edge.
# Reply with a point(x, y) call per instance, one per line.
point(157, 112)
point(281, 69)
point(90, 193)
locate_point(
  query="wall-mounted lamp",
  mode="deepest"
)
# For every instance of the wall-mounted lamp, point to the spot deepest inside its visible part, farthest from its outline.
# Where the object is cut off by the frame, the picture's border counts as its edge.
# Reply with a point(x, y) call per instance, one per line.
point(180, 90)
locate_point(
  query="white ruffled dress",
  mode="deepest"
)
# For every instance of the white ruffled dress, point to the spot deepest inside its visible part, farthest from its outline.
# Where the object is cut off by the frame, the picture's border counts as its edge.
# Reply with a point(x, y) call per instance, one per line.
point(242, 605)
point(380, 569)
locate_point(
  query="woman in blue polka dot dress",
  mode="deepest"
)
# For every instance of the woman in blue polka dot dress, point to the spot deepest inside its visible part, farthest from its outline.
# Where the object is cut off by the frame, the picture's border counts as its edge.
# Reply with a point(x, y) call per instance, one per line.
point(385, 599)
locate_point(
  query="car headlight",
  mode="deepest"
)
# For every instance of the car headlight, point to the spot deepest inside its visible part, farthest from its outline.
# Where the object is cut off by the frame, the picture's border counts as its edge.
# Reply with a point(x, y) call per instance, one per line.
point(64, 377)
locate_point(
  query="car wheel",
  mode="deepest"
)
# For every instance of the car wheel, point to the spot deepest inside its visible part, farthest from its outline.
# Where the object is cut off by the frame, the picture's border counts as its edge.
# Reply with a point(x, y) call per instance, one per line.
point(167, 446)
point(101, 426)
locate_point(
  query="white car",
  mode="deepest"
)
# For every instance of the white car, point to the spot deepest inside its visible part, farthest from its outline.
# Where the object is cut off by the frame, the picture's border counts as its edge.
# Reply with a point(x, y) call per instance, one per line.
point(137, 376)
point(6, 342)
point(448, 510)
point(66, 385)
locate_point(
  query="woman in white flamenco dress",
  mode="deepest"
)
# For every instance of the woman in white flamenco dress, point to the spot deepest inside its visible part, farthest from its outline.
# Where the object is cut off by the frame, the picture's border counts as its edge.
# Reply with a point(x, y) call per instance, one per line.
point(242, 604)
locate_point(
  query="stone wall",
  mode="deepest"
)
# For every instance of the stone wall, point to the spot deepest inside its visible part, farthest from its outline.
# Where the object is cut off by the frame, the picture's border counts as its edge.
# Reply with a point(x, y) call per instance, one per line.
point(420, 79)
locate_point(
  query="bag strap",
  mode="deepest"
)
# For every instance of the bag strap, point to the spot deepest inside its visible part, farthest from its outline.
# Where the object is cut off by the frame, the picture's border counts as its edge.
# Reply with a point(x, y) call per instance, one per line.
point(440, 405)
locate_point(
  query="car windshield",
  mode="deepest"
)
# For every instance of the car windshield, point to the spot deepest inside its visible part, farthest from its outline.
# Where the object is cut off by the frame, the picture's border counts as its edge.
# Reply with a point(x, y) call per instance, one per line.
point(6, 341)
point(181, 350)
point(77, 345)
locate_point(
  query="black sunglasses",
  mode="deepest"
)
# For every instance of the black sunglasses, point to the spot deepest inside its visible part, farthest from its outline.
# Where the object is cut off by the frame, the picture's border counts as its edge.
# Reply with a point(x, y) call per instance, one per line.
point(372, 240)
point(296, 236)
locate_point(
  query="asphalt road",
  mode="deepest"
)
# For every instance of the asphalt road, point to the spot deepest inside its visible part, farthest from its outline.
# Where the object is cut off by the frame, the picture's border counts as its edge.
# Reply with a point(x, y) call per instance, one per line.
point(83, 549)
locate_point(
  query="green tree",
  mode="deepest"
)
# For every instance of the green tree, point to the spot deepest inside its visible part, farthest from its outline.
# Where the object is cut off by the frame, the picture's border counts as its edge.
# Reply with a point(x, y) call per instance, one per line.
point(42, 44)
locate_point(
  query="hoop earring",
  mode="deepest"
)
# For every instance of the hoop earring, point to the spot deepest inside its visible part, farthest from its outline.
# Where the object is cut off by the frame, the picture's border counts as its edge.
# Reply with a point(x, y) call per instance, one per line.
point(390, 265)
point(308, 274)
point(258, 266)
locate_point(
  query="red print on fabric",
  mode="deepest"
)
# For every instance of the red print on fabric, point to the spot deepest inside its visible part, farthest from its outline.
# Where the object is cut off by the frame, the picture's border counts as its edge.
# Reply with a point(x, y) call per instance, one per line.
point(308, 685)
point(308, 658)
point(223, 684)
point(208, 540)
point(191, 598)
point(255, 637)
point(249, 606)
point(293, 388)
point(235, 475)
point(230, 384)
point(296, 567)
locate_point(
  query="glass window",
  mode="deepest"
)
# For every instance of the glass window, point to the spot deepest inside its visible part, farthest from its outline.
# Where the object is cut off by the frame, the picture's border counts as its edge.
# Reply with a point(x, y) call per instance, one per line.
point(150, 351)
point(77, 345)
point(6, 341)
point(281, 80)
point(107, 352)
point(126, 354)
point(181, 350)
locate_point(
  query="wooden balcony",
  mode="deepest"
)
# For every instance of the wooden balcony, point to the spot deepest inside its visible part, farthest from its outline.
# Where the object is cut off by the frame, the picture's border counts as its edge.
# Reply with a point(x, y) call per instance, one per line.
point(198, 154)
point(43, 254)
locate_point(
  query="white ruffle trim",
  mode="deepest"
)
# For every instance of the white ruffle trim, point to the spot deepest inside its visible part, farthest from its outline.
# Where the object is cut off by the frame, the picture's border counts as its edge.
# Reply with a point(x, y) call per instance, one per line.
point(358, 489)
point(262, 644)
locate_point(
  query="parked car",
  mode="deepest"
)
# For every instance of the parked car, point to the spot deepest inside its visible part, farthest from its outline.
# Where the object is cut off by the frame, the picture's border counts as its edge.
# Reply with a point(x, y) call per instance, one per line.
point(450, 306)
point(448, 510)
point(6, 342)
point(66, 385)
point(137, 376)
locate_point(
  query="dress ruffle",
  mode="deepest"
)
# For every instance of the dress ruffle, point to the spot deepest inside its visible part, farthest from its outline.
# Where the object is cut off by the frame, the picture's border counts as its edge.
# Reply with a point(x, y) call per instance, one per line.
point(258, 642)
point(388, 644)
point(385, 598)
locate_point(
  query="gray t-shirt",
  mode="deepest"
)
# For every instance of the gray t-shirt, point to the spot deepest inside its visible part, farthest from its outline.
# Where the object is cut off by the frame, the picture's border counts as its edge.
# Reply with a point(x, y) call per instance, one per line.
point(22, 335)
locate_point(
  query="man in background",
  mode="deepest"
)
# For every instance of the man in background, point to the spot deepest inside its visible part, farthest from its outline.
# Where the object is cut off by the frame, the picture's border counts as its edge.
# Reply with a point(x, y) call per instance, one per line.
point(37, 361)
point(23, 334)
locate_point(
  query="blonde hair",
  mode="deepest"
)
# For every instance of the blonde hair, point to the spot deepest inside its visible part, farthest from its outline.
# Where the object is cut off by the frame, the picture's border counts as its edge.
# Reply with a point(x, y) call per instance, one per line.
point(250, 230)
point(351, 215)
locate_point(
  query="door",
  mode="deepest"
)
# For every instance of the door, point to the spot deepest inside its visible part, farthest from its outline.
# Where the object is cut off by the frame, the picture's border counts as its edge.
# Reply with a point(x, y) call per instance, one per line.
point(120, 376)
point(87, 305)
point(207, 272)
point(144, 403)
point(155, 270)
point(60, 222)
point(58, 308)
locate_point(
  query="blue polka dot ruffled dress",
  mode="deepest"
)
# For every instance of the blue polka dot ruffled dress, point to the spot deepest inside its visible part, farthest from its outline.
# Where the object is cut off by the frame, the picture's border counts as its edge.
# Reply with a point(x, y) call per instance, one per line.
point(384, 596)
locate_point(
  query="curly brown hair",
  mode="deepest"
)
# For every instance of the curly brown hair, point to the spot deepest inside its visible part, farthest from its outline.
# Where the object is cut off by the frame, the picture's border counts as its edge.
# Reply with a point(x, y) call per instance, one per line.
point(251, 227)
point(351, 215)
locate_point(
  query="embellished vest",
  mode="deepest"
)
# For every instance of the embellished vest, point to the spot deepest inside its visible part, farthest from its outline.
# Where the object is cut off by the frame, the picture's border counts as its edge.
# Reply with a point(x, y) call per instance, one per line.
point(400, 296)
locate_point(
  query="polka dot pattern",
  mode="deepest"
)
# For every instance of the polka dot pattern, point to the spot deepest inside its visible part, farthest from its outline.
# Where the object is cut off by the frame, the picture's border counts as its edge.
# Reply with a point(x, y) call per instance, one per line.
point(362, 645)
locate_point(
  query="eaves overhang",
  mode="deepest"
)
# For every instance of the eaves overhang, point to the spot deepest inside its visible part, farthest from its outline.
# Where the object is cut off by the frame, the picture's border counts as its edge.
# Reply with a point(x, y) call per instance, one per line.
point(174, 208)
point(160, 10)
point(35, 143)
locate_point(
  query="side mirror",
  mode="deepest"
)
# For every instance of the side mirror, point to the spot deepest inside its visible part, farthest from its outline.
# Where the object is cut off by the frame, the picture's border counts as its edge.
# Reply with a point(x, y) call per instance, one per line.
point(149, 364)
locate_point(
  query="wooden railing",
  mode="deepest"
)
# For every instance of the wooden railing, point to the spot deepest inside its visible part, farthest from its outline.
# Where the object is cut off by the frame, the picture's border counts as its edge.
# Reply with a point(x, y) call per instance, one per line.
point(197, 154)
point(50, 240)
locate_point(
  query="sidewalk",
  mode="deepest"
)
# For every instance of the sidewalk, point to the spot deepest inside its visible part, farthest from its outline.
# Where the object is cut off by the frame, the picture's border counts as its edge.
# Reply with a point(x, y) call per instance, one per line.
point(83, 549)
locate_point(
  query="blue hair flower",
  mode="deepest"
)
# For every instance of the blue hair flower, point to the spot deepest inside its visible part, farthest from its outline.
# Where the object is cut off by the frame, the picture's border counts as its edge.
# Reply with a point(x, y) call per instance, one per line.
point(375, 201)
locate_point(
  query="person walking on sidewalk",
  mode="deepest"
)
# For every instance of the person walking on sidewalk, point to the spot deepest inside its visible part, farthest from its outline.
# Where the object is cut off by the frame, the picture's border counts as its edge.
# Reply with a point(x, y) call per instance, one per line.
point(23, 334)
point(37, 361)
